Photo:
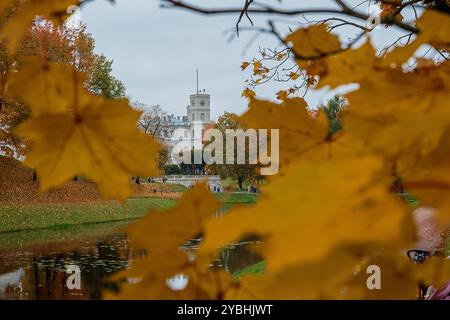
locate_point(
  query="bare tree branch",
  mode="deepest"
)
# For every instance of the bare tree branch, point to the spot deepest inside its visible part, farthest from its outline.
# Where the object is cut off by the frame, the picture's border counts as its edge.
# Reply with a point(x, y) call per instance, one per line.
point(344, 10)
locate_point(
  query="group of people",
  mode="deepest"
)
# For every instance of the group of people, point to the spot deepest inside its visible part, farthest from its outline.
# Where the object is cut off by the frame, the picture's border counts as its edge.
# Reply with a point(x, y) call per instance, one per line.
point(215, 188)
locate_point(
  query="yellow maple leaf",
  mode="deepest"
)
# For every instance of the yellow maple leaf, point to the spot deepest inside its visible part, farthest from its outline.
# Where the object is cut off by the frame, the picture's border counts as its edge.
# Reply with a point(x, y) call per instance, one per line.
point(399, 115)
point(24, 14)
point(160, 234)
point(162, 231)
point(314, 41)
point(435, 271)
point(360, 210)
point(73, 132)
point(348, 66)
point(306, 137)
point(48, 88)
point(428, 178)
point(434, 30)
point(339, 275)
point(101, 142)
point(5, 5)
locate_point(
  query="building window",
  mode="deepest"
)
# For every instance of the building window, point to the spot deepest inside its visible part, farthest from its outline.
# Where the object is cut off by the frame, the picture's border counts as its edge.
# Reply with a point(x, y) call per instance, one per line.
point(202, 116)
point(202, 103)
point(192, 117)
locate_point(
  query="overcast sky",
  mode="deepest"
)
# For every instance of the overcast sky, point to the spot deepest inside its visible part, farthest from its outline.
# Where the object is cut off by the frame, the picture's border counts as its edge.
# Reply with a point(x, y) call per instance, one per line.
point(156, 51)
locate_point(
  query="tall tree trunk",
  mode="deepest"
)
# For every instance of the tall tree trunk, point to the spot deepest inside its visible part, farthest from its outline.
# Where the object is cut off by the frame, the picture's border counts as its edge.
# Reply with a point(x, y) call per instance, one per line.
point(240, 182)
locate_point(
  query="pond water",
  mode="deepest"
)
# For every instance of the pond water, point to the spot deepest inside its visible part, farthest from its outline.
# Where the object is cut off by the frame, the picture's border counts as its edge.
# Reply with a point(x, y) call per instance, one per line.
point(49, 270)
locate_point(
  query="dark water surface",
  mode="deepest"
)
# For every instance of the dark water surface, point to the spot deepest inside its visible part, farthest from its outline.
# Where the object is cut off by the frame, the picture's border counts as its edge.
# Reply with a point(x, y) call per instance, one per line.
point(48, 270)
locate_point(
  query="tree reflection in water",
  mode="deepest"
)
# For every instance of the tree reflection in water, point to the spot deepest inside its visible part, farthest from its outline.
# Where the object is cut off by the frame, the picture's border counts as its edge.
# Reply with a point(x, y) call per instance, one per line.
point(40, 272)
point(45, 276)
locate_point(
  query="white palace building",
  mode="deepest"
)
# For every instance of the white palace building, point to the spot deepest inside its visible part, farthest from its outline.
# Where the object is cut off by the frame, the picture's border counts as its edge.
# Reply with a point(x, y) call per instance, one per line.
point(189, 128)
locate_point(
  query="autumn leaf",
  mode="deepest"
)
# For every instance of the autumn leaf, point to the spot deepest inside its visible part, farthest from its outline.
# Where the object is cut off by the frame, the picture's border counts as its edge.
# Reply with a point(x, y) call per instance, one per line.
point(259, 69)
point(306, 137)
point(160, 234)
point(73, 132)
point(348, 66)
point(397, 114)
point(244, 65)
point(327, 215)
point(282, 94)
point(434, 30)
point(435, 271)
point(405, 120)
point(360, 210)
point(428, 178)
point(100, 142)
point(24, 14)
point(48, 88)
point(340, 275)
point(314, 41)
point(294, 75)
point(184, 222)
point(256, 65)
point(248, 93)
point(4, 5)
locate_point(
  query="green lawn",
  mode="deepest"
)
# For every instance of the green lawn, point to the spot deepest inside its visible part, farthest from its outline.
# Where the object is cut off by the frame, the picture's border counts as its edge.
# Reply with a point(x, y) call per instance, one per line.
point(247, 198)
point(60, 233)
point(257, 268)
point(29, 224)
point(15, 218)
point(31, 217)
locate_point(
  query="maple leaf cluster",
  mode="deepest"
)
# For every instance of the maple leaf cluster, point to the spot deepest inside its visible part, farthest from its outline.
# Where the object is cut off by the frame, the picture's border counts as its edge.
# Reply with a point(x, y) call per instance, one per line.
point(331, 211)
point(328, 214)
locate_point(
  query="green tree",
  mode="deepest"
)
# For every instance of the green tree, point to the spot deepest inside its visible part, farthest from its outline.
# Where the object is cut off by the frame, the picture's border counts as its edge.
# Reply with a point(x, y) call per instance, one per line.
point(101, 82)
point(241, 172)
point(333, 110)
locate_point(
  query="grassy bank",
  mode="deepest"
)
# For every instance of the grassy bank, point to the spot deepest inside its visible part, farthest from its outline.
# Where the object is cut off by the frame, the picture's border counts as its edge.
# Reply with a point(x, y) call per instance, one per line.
point(58, 234)
point(257, 268)
point(28, 224)
point(15, 218)
point(231, 199)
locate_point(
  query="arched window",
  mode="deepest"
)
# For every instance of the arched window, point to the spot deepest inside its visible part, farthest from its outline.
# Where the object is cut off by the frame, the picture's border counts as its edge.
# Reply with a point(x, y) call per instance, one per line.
point(202, 116)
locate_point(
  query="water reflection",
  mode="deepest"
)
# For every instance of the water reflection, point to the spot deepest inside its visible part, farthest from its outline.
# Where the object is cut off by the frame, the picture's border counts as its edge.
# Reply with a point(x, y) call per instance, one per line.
point(75, 270)
point(31, 274)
